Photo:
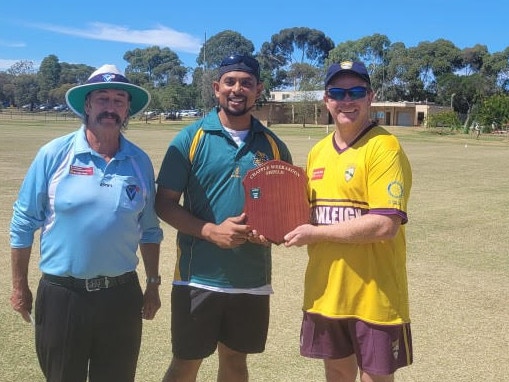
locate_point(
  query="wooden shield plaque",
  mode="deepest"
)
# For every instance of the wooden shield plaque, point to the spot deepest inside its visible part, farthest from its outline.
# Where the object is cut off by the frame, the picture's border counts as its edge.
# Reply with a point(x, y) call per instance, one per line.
point(276, 199)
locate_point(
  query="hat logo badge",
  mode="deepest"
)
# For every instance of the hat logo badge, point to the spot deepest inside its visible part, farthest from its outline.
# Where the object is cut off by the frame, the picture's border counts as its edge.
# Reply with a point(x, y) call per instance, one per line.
point(346, 65)
point(108, 77)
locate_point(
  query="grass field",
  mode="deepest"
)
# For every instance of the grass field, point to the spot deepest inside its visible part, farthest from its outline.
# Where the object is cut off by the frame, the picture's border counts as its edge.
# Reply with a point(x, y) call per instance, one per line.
point(458, 261)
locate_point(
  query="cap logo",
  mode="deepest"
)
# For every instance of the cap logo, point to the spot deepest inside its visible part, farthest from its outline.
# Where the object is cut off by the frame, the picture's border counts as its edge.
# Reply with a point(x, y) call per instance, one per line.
point(346, 65)
point(108, 77)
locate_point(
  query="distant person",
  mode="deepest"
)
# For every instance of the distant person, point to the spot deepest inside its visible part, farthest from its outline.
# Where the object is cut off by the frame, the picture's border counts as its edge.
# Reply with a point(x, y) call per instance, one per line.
point(356, 313)
point(91, 193)
point(220, 295)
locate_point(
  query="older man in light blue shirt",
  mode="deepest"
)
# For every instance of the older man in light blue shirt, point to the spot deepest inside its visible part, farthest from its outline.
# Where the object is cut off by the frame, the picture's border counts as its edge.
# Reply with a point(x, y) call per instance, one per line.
point(91, 193)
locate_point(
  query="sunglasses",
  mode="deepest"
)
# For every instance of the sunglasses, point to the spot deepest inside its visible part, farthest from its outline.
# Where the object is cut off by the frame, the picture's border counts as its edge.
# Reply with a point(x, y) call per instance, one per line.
point(238, 59)
point(354, 93)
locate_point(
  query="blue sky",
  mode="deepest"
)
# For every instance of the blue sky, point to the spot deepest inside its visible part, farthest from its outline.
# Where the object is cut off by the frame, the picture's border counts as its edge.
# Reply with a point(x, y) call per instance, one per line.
point(97, 32)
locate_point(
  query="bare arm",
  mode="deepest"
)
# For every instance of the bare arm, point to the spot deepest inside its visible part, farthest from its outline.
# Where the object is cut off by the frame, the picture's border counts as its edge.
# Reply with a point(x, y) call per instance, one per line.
point(229, 234)
point(368, 228)
point(21, 298)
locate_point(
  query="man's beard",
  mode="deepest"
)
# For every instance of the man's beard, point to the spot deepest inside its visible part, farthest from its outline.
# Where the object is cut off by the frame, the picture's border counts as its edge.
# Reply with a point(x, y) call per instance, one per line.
point(235, 112)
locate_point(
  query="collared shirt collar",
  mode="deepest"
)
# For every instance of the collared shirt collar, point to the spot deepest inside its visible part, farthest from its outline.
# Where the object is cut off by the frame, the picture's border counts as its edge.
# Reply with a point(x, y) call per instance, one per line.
point(82, 146)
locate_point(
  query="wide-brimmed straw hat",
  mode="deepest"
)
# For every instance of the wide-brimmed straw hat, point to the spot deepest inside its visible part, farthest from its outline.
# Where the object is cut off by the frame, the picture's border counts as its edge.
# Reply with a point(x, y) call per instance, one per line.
point(107, 77)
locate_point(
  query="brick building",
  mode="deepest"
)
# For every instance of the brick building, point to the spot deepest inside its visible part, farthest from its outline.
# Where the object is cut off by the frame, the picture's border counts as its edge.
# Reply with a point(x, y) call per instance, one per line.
point(296, 107)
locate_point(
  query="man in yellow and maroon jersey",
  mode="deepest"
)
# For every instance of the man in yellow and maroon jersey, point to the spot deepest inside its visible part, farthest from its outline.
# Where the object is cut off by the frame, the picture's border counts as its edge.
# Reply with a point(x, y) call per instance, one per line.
point(356, 313)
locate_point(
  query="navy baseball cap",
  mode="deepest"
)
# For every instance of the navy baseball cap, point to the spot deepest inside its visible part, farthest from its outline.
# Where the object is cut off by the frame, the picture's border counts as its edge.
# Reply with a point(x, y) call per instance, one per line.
point(240, 63)
point(354, 67)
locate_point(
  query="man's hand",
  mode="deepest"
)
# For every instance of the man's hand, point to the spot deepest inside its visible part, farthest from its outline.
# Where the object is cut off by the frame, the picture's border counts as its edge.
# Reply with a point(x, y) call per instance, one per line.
point(255, 238)
point(151, 301)
point(231, 233)
point(21, 301)
point(302, 235)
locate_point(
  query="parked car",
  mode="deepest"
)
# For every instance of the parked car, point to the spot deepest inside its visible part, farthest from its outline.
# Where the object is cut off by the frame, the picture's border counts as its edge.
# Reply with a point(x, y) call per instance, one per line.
point(189, 113)
point(60, 107)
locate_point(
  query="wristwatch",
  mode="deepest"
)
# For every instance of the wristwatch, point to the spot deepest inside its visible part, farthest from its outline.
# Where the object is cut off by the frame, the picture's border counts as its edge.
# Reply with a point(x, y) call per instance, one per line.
point(154, 280)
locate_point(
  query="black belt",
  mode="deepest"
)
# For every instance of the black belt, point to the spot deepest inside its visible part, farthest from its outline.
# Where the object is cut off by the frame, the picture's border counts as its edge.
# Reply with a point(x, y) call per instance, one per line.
point(93, 284)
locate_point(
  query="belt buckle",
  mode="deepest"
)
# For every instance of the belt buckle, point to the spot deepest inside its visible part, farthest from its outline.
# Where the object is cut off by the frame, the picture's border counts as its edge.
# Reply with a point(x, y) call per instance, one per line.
point(95, 284)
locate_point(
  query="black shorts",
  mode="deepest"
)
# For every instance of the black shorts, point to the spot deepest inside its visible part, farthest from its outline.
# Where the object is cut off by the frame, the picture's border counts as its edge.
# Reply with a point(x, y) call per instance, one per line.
point(201, 318)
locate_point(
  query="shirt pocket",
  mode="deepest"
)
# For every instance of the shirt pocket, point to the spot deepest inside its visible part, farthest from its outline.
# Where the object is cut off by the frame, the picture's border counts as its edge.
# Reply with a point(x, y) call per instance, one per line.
point(130, 197)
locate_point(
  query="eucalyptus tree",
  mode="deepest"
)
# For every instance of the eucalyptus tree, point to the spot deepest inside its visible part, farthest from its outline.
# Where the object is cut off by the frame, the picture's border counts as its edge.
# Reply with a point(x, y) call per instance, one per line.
point(154, 67)
point(8, 79)
point(26, 89)
point(398, 74)
point(14, 88)
point(474, 58)
point(213, 51)
point(461, 92)
point(76, 74)
point(48, 77)
point(289, 51)
point(435, 59)
point(372, 51)
point(22, 67)
point(496, 68)
point(221, 45)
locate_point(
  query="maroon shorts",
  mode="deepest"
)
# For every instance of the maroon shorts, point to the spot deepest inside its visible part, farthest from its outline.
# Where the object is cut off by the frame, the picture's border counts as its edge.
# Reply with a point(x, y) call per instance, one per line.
point(380, 349)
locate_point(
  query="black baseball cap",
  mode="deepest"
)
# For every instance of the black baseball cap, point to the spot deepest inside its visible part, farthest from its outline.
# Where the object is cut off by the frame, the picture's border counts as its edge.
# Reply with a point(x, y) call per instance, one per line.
point(354, 67)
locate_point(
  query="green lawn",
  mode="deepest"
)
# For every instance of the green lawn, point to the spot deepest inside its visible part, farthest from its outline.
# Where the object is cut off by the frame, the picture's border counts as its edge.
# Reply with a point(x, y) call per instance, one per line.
point(458, 260)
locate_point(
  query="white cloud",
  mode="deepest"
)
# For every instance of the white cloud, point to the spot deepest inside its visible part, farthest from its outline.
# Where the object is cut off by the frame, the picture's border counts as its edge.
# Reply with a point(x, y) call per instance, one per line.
point(161, 35)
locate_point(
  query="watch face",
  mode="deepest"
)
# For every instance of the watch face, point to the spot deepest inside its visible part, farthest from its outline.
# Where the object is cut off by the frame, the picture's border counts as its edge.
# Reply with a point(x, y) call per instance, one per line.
point(154, 280)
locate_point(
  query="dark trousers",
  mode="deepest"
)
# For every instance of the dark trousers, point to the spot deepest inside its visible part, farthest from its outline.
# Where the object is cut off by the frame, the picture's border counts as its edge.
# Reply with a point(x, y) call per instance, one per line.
point(80, 333)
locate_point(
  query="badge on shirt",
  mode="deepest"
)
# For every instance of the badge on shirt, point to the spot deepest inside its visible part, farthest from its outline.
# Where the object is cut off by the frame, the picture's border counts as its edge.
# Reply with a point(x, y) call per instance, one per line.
point(78, 170)
point(131, 191)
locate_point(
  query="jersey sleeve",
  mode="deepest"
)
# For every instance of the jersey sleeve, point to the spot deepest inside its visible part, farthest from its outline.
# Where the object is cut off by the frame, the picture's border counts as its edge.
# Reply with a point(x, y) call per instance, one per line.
point(176, 165)
point(389, 179)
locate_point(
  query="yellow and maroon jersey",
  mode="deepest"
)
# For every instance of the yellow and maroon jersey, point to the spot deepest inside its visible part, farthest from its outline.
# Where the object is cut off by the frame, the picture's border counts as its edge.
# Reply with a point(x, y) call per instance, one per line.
point(364, 281)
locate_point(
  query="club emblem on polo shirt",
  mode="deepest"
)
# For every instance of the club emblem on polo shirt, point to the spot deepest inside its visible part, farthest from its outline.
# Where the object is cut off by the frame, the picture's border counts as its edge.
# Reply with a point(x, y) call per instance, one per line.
point(260, 158)
point(349, 172)
point(131, 191)
point(236, 173)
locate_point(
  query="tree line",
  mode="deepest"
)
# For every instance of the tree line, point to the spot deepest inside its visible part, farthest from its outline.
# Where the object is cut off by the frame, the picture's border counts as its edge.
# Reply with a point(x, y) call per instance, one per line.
point(294, 58)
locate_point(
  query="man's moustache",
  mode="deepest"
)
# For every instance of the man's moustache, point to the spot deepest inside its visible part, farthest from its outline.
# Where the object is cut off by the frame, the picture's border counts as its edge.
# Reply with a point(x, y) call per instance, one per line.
point(109, 115)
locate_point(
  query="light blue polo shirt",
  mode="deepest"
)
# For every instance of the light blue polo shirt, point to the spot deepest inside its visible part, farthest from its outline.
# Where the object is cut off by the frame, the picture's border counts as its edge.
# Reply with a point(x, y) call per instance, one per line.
point(92, 214)
point(211, 183)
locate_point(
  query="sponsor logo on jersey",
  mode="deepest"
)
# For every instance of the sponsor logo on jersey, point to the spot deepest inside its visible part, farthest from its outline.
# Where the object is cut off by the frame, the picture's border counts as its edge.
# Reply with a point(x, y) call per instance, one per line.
point(325, 215)
point(78, 170)
point(318, 173)
point(395, 189)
